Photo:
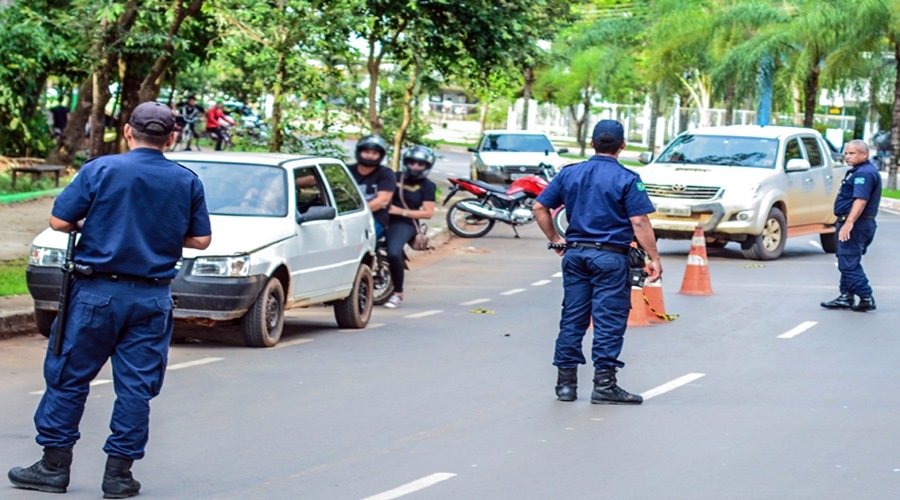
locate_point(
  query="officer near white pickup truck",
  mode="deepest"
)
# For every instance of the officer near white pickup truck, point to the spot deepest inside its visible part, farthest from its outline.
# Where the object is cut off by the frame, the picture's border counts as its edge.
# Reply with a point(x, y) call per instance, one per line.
point(855, 207)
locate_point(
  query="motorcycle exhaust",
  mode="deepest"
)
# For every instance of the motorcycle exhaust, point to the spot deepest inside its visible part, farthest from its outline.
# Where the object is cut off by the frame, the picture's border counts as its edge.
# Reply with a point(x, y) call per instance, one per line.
point(483, 211)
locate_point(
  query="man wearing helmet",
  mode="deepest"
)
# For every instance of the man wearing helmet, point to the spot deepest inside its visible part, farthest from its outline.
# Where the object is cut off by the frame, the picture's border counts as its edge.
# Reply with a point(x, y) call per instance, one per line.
point(413, 201)
point(374, 179)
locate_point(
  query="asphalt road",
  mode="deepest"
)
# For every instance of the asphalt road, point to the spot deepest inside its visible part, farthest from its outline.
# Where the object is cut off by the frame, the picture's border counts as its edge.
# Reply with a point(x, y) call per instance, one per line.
point(754, 392)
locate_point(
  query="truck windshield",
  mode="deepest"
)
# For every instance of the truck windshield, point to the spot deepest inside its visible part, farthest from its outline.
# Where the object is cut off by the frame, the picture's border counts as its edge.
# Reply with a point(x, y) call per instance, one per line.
point(721, 150)
point(241, 189)
point(521, 143)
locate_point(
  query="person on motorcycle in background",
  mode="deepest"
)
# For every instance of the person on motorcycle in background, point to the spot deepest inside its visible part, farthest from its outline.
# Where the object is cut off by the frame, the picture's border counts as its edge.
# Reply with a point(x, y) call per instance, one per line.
point(413, 201)
point(374, 179)
point(215, 119)
point(189, 113)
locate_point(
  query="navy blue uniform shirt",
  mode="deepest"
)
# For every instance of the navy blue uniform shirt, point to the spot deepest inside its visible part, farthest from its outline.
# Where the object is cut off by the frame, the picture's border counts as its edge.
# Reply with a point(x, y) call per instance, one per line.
point(138, 208)
point(862, 181)
point(600, 195)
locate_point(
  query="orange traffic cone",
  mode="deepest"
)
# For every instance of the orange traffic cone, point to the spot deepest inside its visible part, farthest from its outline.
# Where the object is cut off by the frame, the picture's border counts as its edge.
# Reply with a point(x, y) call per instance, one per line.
point(638, 314)
point(653, 299)
point(696, 275)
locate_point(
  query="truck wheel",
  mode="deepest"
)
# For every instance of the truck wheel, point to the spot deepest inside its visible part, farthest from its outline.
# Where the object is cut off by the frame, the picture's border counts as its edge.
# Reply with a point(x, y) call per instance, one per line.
point(264, 322)
point(829, 242)
point(770, 244)
point(44, 321)
point(355, 310)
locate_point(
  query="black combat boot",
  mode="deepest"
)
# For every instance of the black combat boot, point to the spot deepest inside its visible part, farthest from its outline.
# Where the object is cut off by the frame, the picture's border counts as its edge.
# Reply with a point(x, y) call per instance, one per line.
point(607, 392)
point(844, 301)
point(865, 304)
point(567, 384)
point(117, 480)
point(50, 474)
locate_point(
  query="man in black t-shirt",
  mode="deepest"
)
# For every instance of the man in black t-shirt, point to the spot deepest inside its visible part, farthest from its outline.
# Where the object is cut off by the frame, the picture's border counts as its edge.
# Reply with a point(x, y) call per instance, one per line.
point(376, 181)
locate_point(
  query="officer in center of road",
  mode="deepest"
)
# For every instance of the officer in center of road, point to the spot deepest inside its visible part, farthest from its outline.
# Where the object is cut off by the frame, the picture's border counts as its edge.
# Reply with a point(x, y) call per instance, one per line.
point(607, 206)
point(139, 210)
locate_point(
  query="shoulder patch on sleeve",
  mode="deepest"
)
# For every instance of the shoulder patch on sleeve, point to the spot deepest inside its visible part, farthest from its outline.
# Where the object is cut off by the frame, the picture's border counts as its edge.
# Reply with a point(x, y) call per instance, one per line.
point(640, 186)
point(859, 180)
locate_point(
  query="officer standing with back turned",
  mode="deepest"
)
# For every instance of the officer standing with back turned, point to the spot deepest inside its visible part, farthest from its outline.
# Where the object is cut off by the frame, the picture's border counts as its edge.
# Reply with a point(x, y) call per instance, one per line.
point(138, 210)
point(607, 207)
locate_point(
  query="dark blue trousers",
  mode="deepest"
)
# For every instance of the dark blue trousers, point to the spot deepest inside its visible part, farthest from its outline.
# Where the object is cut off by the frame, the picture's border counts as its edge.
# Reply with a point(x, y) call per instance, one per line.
point(595, 284)
point(125, 322)
point(398, 234)
point(849, 255)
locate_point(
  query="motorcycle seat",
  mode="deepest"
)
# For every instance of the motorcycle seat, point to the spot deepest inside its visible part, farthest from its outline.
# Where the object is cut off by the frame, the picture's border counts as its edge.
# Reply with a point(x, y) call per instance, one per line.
point(489, 187)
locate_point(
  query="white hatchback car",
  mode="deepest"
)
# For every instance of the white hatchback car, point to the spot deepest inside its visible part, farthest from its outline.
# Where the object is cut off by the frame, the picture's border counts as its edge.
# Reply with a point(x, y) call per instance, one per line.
point(288, 231)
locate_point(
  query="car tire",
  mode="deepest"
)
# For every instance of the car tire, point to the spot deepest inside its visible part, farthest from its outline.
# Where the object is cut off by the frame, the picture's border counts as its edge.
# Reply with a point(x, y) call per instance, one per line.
point(770, 244)
point(829, 242)
point(264, 322)
point(355, 310)
point(44, 321)
point(455, 215)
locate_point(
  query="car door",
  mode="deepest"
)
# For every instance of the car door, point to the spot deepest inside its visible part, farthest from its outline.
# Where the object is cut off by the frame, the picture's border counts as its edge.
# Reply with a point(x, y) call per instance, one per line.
point(822, 196)
point(800, 185)
point(314, 266)
point(355, 221)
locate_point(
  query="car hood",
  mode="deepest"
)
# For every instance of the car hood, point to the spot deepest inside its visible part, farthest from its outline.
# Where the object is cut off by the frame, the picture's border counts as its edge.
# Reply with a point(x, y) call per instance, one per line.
point(231, 235)
point(702, 175)
point(513, 158)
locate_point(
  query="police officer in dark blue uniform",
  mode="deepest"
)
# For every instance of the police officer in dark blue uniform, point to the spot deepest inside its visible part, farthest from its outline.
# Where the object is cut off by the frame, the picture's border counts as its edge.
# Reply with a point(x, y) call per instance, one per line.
point(607, 207)
point(855, 207)
point(138, 210)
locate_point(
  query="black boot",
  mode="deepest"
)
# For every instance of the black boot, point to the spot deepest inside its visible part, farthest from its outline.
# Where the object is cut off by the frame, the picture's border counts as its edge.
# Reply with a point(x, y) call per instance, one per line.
point(117, 480)
point(50, 474)
point(567, 384)
point(865, 304)
point(607, 392)
point(844, 301)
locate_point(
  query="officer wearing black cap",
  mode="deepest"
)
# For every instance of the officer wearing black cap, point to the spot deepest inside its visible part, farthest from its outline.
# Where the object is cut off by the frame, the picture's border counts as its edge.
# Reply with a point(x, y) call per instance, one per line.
point(856, 206)
point(607, 206)
point(138, 211)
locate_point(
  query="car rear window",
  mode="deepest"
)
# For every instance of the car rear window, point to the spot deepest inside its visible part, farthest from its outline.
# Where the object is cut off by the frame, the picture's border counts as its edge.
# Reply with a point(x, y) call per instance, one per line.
point(522, 143)
point(242, 189)
point(692, 149)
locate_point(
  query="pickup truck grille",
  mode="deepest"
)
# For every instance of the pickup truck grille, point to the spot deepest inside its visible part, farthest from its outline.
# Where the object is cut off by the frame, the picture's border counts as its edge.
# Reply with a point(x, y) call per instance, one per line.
point(682, 192)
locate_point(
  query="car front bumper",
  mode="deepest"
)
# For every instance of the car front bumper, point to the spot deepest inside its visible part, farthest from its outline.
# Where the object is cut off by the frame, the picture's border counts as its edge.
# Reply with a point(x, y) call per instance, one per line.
point(678, 219)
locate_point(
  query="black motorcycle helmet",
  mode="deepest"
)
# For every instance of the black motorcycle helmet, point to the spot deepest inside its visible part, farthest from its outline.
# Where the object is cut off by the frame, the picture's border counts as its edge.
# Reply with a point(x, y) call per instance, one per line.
point(421, 154)
point(375, 143)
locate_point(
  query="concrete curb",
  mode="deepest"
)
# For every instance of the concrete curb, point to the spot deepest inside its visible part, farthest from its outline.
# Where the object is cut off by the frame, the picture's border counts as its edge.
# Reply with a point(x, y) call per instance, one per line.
point(17, 322)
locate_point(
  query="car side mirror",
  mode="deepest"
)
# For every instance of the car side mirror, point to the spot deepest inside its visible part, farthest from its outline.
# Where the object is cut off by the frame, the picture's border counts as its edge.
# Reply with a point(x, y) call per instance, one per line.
point(797, 165)
point(472, 150)
point(316, 213)
point(645, 157)
point(562, 151)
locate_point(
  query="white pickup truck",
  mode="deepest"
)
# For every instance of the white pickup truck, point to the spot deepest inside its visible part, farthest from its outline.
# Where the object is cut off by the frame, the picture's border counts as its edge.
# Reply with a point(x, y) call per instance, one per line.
point(751, 184)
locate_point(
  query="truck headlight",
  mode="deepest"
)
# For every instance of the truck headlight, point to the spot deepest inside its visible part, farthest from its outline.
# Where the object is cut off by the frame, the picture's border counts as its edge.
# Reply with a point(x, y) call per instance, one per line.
point(226, 267)
point(47, 257)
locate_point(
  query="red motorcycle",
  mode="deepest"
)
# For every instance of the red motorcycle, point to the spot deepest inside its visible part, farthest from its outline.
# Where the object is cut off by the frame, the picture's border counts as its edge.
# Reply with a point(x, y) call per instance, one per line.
point(475, 217)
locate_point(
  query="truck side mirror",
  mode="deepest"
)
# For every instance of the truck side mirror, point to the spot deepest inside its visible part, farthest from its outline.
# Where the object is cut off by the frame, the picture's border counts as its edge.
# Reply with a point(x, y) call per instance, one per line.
point(472, 150)
point(562, 151)
point(645, 157)
point(316, 213)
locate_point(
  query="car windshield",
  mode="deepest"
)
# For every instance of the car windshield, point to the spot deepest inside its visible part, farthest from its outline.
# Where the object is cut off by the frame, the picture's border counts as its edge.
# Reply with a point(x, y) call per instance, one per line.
point(721, 150)
point(521, 143)
point(242, 189)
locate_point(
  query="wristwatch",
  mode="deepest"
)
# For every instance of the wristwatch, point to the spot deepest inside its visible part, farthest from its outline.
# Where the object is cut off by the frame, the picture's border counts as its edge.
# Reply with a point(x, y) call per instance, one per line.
point(403, 213)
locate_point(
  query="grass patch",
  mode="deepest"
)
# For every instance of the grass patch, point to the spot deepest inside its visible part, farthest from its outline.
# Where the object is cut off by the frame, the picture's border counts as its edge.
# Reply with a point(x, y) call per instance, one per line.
point(891, 193)
point(12, 277)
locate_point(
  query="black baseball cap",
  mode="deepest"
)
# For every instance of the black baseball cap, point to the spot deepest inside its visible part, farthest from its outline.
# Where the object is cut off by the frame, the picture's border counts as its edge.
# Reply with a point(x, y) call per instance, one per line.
point(609, 132)
point(152, 118)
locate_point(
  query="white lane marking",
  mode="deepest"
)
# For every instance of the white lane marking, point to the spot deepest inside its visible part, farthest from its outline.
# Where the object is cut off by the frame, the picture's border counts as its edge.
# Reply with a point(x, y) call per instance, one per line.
point(557, 275)
point(797, 330)
point(412, 486)
point(473, 302)
point(370, 326)
point(196, 362)
point(541, 283)
point(424, 313)
point(513, 291)
point(815, 244)
point(674, 384)
point(289, 343)
point(100, 381)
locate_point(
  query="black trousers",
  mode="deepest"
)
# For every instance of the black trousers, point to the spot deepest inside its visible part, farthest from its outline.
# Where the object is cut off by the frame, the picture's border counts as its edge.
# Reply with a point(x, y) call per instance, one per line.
point(398, 233)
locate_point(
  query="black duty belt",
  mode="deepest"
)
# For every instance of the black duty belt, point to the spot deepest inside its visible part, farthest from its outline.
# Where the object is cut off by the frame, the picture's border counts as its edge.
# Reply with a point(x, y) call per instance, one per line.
point(126, 277)
point(607, 247)
point(843, 218)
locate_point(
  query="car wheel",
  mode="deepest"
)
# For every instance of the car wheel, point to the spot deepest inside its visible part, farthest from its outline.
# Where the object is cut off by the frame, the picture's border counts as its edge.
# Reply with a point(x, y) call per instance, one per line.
point(770, 244)
point(264, 322)
point(465, 224)
point(44, 321)
point(560, 222)
point(355, 310)
point(383, 284)
point(829, 242)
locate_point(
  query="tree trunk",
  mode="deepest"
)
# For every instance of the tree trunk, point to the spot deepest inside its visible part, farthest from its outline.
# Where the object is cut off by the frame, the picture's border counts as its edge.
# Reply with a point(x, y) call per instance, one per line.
point(73, 136)
point(579, 127)
point(482, 120)
point(150, 85)
point(810, 98)
point(526, 95)
point(278, 96)
point(373, 66)
point(895, 126)
point(408, 95)
point(654, 118)
point(729, 105)
point(129, 92)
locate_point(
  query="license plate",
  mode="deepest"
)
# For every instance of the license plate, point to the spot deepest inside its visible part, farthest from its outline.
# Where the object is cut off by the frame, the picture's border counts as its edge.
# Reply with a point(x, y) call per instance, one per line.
point(676, 211)
point(517, 176)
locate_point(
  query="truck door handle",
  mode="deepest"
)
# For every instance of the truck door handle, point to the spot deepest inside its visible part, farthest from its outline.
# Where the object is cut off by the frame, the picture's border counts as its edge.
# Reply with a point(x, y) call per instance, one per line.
point(808, 181)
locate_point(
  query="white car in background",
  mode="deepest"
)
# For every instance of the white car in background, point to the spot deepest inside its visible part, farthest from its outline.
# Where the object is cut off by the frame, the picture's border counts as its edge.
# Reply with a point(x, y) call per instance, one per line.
point(503, 156)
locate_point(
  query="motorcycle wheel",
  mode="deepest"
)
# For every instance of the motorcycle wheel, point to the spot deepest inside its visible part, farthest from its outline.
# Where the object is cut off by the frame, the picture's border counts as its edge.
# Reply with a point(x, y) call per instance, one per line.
point(465, 224)
point(560, 222)
point(383, 285)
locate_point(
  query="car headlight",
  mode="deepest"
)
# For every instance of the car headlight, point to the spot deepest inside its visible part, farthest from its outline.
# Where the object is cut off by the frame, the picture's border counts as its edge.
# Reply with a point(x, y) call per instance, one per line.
point(47, 257)
point(227, 267)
